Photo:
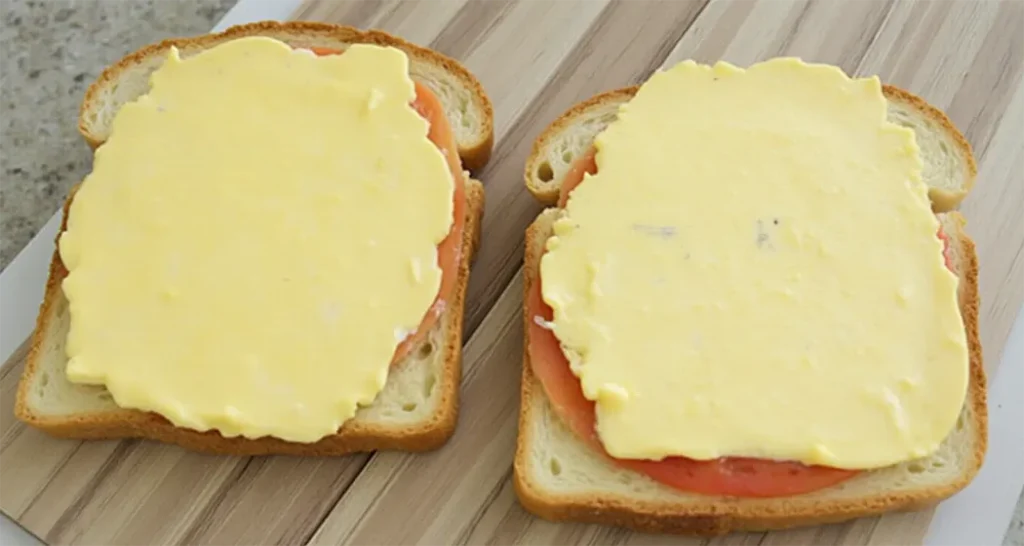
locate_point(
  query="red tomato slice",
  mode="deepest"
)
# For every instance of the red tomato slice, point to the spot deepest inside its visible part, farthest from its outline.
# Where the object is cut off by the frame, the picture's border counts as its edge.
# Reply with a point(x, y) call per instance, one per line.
point(740, 477)
point(450, 249)
point(584, 164)
point(945, 249)
point(323, 51)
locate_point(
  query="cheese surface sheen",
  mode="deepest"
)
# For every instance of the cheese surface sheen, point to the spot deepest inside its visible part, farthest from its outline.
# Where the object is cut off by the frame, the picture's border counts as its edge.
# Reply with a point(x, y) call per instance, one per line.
point(754, 271)
point(256, 237)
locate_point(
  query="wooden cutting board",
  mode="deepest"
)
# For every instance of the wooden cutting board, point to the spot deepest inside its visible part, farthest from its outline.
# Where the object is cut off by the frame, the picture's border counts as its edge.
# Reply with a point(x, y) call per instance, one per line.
point(536, 58)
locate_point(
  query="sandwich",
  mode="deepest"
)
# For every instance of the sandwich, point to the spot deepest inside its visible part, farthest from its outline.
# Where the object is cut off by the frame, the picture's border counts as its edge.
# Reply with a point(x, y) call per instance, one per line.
point(750, 305)
point(271, 253)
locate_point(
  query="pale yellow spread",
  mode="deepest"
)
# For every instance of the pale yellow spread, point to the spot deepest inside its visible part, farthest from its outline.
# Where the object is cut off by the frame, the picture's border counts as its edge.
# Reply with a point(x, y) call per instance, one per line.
point(240, 257)
point(754, 271)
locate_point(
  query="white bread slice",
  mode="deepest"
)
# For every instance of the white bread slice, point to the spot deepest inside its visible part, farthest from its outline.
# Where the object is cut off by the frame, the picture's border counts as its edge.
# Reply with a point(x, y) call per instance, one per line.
point(466, 105)
point(949, 167)
point(558, 477)
point(416, 410)
point(418, 407)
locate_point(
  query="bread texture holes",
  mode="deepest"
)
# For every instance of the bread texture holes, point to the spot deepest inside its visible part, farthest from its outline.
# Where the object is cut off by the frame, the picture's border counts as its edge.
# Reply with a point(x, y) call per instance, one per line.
point(463, 108)
point(567, 156)
point(915, 468)
point(428, 386)
point(44, 379)
point(409, 407)
point(555, 466)
point(545, 172)
point(426, 350)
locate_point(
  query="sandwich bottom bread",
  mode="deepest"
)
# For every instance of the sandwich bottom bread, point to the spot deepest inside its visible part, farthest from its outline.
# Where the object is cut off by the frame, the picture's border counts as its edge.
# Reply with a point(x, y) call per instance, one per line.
point(418, 406)
point(561, 477)
point(416, 411)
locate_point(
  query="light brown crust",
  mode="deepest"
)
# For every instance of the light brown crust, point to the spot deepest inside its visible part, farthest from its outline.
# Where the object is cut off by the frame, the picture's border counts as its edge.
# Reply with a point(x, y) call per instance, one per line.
point(942, 200)
point(474, 155)
point(720, 514)
point(353, 437)
point(548, 195)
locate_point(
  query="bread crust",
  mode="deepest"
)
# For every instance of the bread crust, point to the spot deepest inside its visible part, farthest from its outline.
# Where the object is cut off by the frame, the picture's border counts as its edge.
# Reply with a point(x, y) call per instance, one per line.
point(474, 154)
point(721, 515)
point(942, 200)
point(547, 193)
point(354, 436)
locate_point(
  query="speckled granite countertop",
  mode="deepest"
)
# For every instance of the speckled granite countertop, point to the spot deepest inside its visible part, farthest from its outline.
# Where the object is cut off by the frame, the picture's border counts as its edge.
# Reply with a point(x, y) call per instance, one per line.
point(51, 51)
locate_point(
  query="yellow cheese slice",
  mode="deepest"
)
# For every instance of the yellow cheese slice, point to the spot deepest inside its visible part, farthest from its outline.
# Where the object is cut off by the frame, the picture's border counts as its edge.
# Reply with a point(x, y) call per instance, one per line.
point(239, 259)
point(755, 271)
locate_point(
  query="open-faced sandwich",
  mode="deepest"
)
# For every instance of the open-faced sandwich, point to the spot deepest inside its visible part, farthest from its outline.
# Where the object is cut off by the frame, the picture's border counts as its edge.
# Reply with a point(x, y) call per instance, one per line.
point(743, 312)
point(271, 252)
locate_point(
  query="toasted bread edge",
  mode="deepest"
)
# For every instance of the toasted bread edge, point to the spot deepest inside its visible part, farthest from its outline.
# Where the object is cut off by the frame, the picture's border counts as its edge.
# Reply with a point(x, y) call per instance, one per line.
point(353, 437)
point(547, 192)
point(474, 154)
point(720, 515)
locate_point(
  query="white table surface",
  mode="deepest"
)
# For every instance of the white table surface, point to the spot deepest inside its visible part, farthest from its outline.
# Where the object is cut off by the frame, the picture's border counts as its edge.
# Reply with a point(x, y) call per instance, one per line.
point(979, 514)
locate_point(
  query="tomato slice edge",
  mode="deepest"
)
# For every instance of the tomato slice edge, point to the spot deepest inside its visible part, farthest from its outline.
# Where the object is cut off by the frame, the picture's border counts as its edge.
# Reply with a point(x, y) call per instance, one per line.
point(449, 250)
point(743, 477)
point(732, 476)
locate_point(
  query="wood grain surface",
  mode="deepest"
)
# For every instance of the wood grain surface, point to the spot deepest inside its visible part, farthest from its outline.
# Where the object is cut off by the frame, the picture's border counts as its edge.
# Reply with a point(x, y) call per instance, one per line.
point(536, 58)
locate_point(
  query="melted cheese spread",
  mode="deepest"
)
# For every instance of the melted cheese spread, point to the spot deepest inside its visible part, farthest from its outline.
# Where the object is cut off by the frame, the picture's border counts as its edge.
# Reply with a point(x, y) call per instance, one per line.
point(239, 259)
point(754, 271)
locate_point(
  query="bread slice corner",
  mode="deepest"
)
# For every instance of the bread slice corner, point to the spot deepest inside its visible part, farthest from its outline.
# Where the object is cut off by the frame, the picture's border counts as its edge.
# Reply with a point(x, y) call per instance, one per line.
point(949, 166)
point(416, 411)
point(558, 477)
point(466, 105)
